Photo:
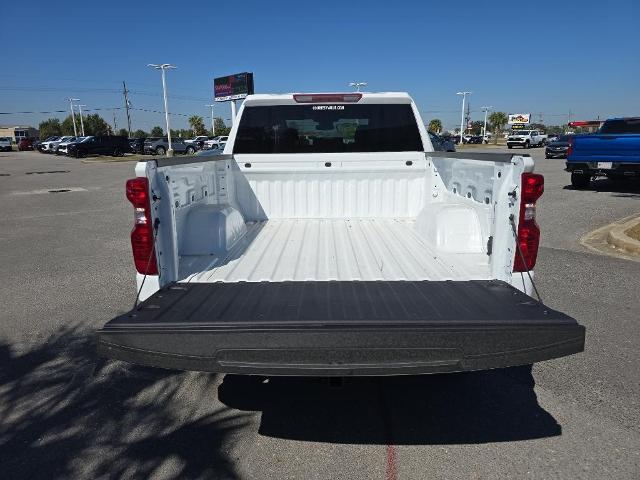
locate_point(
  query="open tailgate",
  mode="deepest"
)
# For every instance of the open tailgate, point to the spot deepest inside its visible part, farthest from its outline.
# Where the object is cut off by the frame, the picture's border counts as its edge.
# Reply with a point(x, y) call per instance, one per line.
point(340, 328)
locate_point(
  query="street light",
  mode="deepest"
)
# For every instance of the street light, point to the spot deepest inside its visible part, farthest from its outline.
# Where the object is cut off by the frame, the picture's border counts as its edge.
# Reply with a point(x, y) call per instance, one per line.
point(485, 110)
point(464, 97)
point(81, 121)
point(357, 85)
point(213, 127)
point(73, 115)
point(163, 67)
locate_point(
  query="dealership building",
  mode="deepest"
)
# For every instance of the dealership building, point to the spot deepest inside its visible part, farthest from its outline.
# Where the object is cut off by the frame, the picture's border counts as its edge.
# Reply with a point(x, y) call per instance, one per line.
point(18, 132)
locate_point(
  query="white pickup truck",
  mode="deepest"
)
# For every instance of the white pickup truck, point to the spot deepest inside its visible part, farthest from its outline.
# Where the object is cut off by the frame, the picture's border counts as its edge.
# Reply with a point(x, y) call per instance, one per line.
point(330, 239)
point(526, 139)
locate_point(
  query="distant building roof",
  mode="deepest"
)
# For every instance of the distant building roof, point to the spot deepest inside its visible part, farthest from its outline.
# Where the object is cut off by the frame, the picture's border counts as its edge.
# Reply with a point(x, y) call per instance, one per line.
point(17, 126)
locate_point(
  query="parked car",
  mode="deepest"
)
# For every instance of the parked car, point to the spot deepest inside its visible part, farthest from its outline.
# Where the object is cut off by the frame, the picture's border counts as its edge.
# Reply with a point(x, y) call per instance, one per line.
point(215, 150)
point(43, 147)
point(26, 144)
point(5, 144)
point(260, 264)
point(557, 148)
point(137, 144)
point(198, 141)
point(63, 147)
point(215, 141)
point(440, 143)
point(100, 145)
point(526, 139)
point(159, 146)
point(613, 152)
point(475, 139)
point(54, 144)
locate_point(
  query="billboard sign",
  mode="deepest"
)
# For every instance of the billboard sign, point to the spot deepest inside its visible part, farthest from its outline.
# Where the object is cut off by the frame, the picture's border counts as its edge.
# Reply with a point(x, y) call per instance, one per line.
point(232, 87)
point(519, 118)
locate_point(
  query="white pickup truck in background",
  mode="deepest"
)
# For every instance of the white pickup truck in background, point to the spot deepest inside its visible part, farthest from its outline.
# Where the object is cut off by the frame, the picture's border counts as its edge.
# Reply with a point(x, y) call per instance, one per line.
point(330, 239)
point(526, 139)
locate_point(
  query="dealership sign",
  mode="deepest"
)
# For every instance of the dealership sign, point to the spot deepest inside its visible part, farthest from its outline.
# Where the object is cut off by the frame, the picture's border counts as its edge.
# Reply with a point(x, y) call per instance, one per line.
point(519, 118)
point(232, 87)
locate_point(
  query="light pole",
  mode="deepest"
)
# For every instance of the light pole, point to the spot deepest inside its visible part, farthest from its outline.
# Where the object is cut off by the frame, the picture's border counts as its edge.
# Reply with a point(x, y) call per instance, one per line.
point(81, 121)
point(464, 97)
point(213, 126)
point(357, 85)
point(486, 111)
point(73, 115)
point(162, 68)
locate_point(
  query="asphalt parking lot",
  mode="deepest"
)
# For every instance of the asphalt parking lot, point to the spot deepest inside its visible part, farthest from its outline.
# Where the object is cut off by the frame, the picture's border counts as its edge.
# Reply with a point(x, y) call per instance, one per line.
point(67, 269)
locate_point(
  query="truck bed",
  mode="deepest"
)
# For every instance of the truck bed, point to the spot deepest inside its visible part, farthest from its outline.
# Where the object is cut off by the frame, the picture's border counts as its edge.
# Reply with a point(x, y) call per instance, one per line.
point(364, 249)
point(340, 328)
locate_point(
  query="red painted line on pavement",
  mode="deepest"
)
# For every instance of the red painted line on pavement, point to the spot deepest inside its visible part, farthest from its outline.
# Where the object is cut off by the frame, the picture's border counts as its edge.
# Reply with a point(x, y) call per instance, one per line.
point(392, 472)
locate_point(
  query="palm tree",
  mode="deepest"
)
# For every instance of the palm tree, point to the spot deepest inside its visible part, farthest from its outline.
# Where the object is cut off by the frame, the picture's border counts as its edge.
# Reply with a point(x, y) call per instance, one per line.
point(435, 125)
point(197, 125)
point(498, 120)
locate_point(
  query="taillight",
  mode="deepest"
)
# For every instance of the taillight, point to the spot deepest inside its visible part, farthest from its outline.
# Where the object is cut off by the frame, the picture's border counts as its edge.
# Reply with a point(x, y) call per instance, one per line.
point(570, 148)
point(327, 97)
point(528, 230)
point(142, 241)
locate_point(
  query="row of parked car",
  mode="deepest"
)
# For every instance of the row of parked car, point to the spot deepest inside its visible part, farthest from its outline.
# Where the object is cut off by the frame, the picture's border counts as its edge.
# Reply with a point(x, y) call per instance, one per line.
point(117, 145)
point(160, 145)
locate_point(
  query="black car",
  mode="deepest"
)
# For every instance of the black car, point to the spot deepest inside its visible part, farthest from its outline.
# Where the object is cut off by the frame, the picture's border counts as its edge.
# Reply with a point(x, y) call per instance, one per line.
point(100, 145)
point(558, 148)
point(137, 144)
point(475, 139)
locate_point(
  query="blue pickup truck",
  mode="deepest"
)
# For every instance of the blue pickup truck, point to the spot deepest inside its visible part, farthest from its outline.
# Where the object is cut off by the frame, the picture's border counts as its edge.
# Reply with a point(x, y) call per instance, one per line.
point(613, 152)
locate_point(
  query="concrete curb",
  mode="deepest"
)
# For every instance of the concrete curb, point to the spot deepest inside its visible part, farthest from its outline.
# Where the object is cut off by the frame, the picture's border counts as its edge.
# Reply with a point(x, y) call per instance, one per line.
point(618, 238)
point(598, 240)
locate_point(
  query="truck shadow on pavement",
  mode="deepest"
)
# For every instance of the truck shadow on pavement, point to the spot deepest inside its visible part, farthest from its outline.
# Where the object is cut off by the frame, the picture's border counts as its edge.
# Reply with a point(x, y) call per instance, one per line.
point(62, 415)
point(628, 188)
point(463, 408)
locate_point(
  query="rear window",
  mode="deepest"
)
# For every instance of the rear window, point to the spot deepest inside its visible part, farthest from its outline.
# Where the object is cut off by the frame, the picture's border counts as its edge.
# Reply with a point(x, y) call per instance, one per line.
point(328, 129)
point(629, 125)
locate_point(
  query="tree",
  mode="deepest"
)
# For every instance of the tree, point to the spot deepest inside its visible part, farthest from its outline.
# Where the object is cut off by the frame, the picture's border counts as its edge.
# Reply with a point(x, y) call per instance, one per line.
point(67, 126)
point(96, 125)
point(435, 125)
point(555, 130)
point(140, 134)
point(123, 132)
point(498, 120)
point(157, 132)
point(49, 128)
point(221, 128)
point(197, 125)
point(476, 127)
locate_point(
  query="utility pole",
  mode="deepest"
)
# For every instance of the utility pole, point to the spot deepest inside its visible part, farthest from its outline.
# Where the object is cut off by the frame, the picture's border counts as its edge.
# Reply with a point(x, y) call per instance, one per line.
point(125, 92)
point(233, 112)
point(163, 67)
point(73, 115)
point(486, 111)
point(213, 126)
point(81, 120)
point(115, 125)
point(464, 96)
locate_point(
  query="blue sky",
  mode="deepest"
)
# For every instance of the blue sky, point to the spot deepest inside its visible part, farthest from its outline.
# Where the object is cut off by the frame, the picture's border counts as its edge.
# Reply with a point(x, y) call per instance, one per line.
point(533, 56)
